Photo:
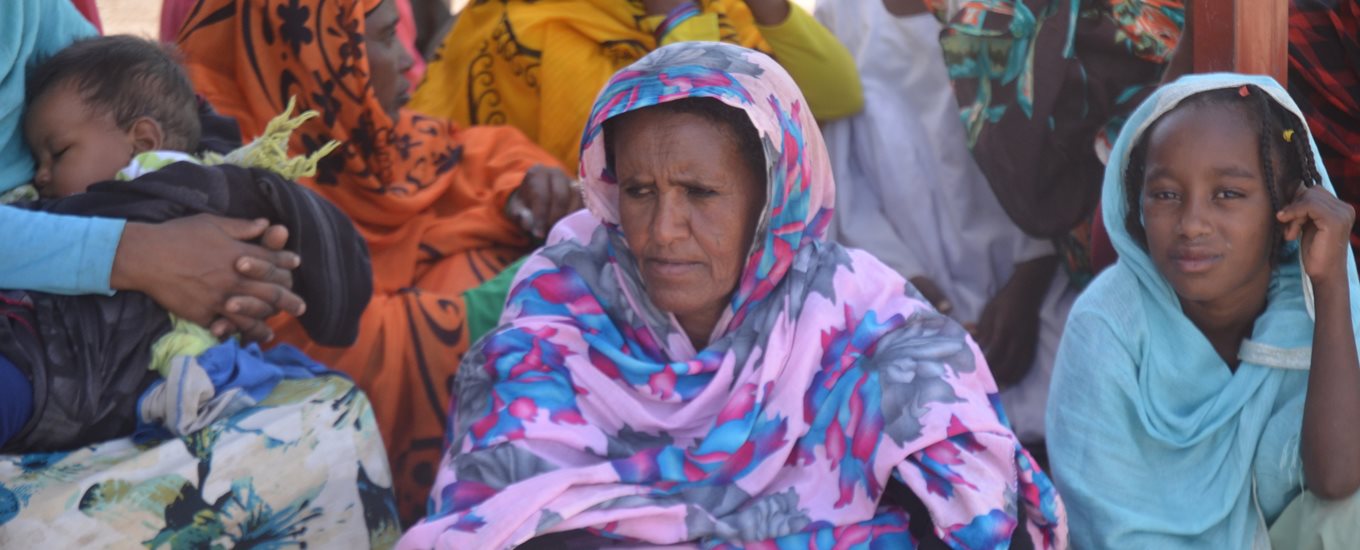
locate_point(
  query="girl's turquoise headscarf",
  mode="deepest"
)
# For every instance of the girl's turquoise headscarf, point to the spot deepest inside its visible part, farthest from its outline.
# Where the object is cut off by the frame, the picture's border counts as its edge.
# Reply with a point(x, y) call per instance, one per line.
point(1155, 443)
point(30, 30)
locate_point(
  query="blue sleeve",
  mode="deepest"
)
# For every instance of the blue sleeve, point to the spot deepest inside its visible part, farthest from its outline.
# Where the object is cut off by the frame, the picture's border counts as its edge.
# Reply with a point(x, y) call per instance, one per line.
point(30, 31)
point(57, 254)
point(59, 26)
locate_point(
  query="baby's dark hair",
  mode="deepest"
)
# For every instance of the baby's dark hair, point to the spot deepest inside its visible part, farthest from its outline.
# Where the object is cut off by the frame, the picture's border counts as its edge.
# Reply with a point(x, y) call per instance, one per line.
point(1272, 121)
point(731, 119)
point(127, 77)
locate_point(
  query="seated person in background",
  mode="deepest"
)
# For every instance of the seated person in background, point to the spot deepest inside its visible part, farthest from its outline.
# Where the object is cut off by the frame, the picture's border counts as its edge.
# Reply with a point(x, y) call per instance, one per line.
point(536, 65)
point(910, 193)
point(1044, 87)
point(1207, 387)
point(97, 106)
point(691, 362)
point(443, 209)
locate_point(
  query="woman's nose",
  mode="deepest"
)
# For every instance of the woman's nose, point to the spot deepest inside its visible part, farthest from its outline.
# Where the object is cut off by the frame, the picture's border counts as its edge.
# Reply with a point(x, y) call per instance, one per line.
point(671, 221)
point(404, 60)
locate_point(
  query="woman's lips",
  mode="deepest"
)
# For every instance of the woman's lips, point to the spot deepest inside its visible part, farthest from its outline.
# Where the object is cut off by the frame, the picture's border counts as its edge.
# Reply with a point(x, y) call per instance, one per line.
point(671, 268)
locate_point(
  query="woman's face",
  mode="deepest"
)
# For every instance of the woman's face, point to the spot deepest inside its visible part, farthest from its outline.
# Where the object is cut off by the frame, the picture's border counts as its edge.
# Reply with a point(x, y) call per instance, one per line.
point(1206, 209)
point(387, 59)
point(688, 205)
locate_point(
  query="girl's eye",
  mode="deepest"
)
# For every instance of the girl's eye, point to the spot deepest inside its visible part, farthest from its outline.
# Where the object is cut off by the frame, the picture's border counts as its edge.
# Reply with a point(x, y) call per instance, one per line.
point(1164, 195)
point(1228, 194)
point(60, 152)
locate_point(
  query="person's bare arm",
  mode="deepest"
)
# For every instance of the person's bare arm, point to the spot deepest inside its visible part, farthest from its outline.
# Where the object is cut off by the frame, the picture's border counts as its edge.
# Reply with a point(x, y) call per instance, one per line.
point(1008, 330)
point(203, 269)
point(1330, 443)
point(769, 13)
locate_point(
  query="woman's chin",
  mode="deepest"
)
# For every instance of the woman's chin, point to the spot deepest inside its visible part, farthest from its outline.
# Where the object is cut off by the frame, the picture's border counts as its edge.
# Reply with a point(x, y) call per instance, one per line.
point(683, 301)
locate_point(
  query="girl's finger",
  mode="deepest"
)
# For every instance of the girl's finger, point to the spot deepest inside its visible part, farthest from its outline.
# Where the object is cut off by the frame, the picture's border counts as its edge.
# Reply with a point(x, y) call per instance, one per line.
point(1294, 228)
point(1302, 209)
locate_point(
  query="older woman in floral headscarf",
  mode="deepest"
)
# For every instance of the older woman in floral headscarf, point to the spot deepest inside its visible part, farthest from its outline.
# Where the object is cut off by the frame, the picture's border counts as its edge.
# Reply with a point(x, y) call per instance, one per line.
point(693, 362)
point(430, 199)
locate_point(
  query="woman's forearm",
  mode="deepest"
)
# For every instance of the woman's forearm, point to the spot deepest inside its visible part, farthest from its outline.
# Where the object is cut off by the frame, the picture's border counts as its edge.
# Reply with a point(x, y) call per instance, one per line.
point(769, 13)
point(1331, 442)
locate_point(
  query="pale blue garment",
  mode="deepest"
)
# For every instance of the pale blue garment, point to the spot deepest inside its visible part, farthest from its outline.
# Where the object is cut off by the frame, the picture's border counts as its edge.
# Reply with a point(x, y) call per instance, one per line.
point(59, 254)
point(1154, 442)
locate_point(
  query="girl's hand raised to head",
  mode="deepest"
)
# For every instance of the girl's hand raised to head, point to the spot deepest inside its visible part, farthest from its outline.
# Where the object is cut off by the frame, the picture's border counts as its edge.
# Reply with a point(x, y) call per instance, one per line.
point(1324, 222)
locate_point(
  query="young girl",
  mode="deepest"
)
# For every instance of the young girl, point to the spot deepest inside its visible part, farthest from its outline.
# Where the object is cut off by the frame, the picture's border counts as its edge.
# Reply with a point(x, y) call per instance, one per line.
point(1209, 379)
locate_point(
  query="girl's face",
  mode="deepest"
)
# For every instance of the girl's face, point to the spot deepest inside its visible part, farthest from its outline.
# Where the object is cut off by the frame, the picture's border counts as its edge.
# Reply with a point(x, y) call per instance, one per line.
point(1206, 209)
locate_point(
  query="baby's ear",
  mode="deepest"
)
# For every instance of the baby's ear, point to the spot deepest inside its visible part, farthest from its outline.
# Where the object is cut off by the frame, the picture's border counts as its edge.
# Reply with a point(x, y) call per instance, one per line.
point(146, 135)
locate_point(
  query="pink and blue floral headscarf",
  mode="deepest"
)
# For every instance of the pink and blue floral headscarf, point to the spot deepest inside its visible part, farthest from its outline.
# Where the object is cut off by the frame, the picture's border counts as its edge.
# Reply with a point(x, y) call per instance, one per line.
point(589, 409)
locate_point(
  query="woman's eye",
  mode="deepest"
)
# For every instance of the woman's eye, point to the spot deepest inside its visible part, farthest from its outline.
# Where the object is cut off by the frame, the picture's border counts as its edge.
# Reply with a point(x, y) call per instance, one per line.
point(1229, 194)
point(1164, 195)
point(637, 191)
point(701, 192)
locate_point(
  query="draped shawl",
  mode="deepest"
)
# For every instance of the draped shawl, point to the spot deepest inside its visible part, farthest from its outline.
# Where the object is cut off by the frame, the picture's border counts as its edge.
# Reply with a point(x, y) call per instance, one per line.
point(588, 408)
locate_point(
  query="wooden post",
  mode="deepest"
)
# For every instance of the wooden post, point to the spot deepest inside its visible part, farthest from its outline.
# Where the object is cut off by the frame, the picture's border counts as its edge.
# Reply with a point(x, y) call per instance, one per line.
point(1245, 36)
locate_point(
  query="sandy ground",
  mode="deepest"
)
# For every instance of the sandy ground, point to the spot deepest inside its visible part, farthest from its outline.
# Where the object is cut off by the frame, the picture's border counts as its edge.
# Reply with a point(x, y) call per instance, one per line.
point(139, 17)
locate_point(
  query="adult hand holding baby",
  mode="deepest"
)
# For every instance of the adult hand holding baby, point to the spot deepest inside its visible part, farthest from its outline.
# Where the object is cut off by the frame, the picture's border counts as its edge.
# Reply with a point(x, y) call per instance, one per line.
point(203, 269)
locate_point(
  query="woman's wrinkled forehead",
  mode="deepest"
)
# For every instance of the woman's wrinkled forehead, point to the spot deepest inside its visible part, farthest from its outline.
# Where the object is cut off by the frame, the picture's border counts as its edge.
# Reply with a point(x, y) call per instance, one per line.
point(795, 156)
